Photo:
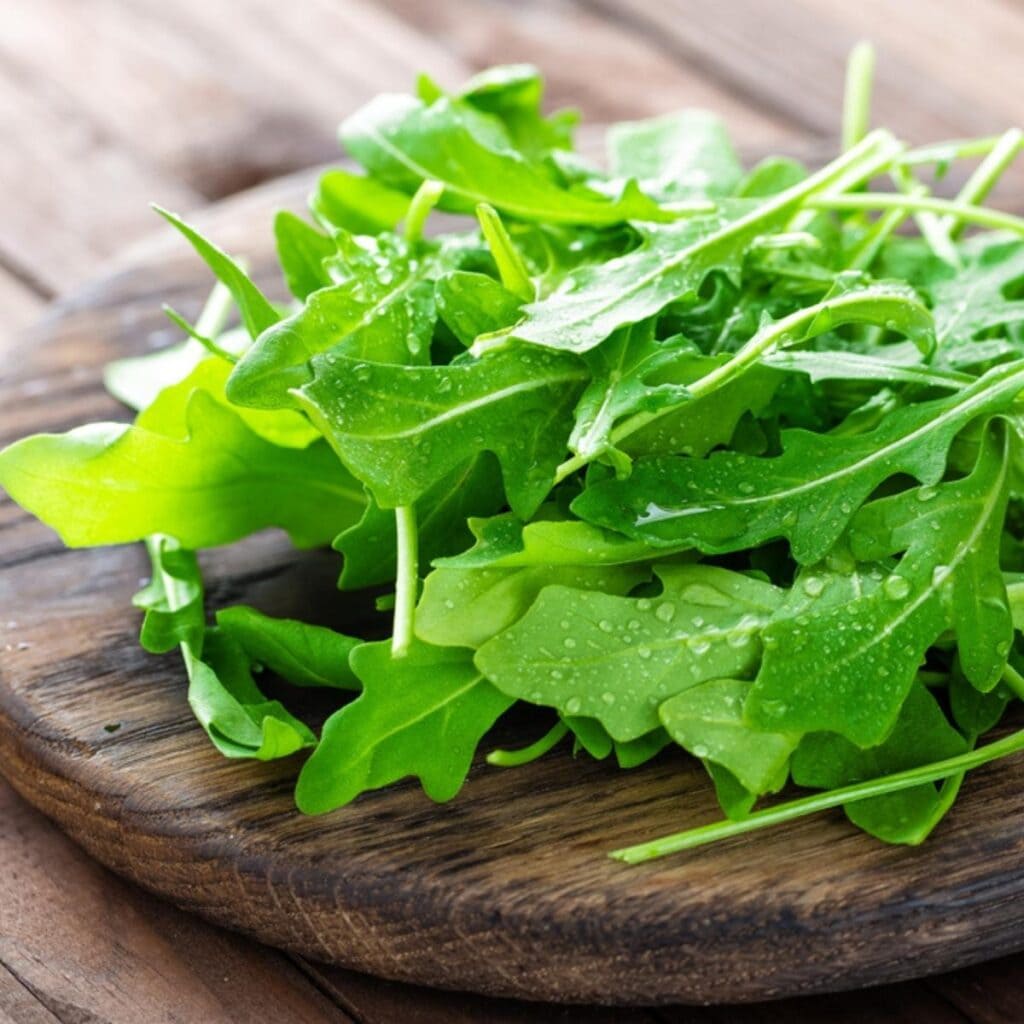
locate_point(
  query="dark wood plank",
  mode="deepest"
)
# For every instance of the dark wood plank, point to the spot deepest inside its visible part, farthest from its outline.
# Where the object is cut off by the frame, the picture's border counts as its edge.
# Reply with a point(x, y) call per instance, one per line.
point(987, 994)
point(506, 890)
point(77, 944)
point(373, 1001)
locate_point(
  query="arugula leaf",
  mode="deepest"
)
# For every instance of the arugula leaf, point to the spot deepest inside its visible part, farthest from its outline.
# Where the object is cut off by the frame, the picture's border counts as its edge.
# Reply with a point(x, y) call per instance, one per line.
point(302, 251)
point(514, 93)
point(420, 715)
point(678, 156)
point(849, 667)
point(403, 142)
point(672, 264)
point(617, 659)
point(400, 429)
point(505, 542)
point(708, 721)
point(466, 607)
point(921, 735)
point(257, 312)
point(238, 719)
point(381, 308)
point(369, 547)
point(473, 304)
point(362, 206)
point(304, 654)
point(109, 483)
point(808, 494)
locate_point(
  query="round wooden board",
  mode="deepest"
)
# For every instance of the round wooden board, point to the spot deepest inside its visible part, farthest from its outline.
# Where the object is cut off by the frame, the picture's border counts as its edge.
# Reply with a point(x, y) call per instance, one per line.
point(506, 890)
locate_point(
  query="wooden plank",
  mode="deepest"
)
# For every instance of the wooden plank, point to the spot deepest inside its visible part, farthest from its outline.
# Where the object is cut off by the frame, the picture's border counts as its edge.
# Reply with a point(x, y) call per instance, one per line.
point(68, 199)
point(18, 1005)
point(372, 1001)
point(91, 948)
point(987, 994)
point(20, 305)
point(219, 96)
point(791, 57)
point(604, 67)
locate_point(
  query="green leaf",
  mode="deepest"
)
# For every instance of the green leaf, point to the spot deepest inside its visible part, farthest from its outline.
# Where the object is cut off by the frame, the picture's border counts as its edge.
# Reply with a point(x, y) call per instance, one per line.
point(466, 607)
point(678, 156)
point(441, 514)
point(401, 429)
point(301, 653)
point(239, 720)
point(617, 659)
point(921, 735)
point(619, 386)
point(808, 494)
point(848, 667)
point(474, 304)
point(984, 293)
point(708, 721)
point(513, 93)
point(109, 483)
point(420, 715)
point(671, 266)
point(505, 542)
point(351, 202)
point(168, 413)
point(380, 309)
point(301, 251)
point(402, 142)
point(172, 599)
point(256, 311)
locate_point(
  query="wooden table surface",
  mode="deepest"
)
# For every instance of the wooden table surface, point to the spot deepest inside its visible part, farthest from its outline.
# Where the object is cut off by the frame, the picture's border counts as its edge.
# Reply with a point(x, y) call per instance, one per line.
point(106, 105)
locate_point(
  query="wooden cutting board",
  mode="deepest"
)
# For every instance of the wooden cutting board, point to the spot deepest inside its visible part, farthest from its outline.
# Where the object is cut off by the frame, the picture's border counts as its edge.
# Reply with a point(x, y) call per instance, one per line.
point(507, 889)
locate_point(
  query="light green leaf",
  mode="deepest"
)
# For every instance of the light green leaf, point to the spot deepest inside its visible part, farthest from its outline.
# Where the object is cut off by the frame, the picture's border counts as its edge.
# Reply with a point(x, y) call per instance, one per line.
point(708, 721)
point(301, 251)
point(109, 483)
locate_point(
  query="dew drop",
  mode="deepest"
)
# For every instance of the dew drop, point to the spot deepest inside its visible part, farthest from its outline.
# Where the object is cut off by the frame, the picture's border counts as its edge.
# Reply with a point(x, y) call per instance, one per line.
point(608, 697)
point(896, 587)
point(813, 586)
point(573, 705)
point(666, 611)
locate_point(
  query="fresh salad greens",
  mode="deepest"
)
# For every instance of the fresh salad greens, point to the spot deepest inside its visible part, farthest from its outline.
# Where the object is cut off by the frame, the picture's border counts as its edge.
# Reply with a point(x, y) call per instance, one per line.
point(678, 453)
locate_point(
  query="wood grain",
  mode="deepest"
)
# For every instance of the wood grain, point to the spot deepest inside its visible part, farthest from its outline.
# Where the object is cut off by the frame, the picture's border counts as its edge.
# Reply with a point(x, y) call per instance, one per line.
point(504, 891)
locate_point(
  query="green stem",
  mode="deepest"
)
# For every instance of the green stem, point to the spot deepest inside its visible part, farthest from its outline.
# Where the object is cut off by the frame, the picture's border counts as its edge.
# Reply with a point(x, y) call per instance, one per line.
point(511, 267)
point(860, 69)
point(524, 755)
point(986, 174)
point(888, 201)
point(692, 838)
point(420, 208)
point(943, 152)
point(1014, 681)
point(406, 580)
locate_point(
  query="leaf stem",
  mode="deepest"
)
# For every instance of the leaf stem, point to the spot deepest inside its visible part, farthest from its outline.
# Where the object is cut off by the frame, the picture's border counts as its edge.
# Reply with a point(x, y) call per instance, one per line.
point(986, 174)
point(420, 208)
point(860, 70)
point(888, 201)
point(1014, 681)
point(524, 755)
point(511, 267)
point(406, 580)
point(943, 152)
point(794, 809)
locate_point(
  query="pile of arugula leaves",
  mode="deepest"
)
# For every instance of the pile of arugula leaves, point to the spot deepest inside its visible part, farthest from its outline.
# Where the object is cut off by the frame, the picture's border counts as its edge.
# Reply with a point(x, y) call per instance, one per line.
point(675, 452)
